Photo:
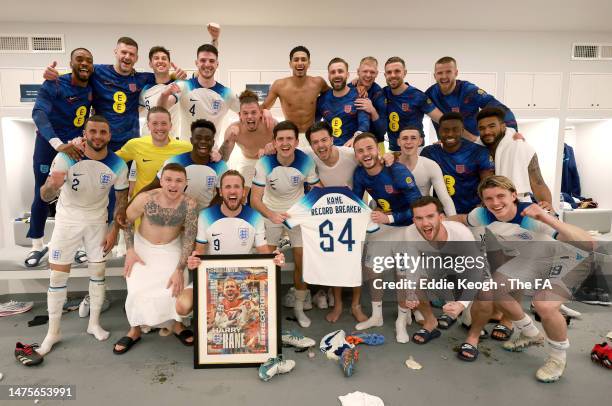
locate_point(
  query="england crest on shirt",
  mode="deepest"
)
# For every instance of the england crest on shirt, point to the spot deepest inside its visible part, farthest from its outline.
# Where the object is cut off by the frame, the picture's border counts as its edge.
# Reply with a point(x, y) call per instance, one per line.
point(460, 168)
point(295, 180)
point(105, 179)
point(348, 108)
point(210, 182)
point(216, 105)
point(243, 234)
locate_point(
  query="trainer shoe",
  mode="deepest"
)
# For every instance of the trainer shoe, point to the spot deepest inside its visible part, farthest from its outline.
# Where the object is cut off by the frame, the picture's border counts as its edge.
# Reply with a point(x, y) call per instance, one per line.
point(586, 295)
point(347, 361)
point(275, 366)
point(13, 307)
point(566, 311)
point(603, 298)
point(27, 355)
point(521, 342)
point(289, 299)
point(84, 307)
point(284, 243)
point(320, 299)
point(551, 371)
point(296, 339)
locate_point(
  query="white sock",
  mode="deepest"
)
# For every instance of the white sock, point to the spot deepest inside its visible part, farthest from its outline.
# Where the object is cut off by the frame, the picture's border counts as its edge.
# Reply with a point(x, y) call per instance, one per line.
point(558, 349)
point(526, 326)
point(97, 288)
point(401, 335)
point(298, 309)
point(375, 321)
point(37, 244)
point(56, 296)
point(418, 316)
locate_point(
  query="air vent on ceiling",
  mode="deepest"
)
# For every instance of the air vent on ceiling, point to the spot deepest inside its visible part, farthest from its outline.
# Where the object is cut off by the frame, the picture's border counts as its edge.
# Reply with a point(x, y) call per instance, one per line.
point(592, 52)
point(39, 43)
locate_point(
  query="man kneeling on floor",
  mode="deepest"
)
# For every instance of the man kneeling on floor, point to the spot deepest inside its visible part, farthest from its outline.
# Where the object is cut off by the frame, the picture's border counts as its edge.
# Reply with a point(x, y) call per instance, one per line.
point(157, 255)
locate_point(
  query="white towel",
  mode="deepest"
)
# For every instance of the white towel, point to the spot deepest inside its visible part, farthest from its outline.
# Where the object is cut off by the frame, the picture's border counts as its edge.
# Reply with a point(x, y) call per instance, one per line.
point(512, 158)
point(360, 399)
point(148, 301)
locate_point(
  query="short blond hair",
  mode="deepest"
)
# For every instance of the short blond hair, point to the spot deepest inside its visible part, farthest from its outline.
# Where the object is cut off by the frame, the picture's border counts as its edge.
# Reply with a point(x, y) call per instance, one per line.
point(496, 181)
point(368, 60)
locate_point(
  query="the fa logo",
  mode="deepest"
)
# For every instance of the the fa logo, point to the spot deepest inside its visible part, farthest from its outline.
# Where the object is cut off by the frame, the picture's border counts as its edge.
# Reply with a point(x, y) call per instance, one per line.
point(405, 107)
point(243, 234)
point(524, 236)
point(55, 254)
point(348, 108)
point(455, 109)
point(210, 182)
point(295, 180)
point(44, 168)
point(216, 105)
point(132, 87)
point(389, 188)
point(105, 179)
point(460, 168)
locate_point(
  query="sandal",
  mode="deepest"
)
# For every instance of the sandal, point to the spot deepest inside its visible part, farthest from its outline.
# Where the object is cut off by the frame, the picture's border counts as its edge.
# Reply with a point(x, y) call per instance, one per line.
point(445, 322)
point(467, 348)
point(483, 333)
point(127, 343)
point(426, 335)
point(34, 257)
point(183, 336)
point(501, 333)
point(80, 257)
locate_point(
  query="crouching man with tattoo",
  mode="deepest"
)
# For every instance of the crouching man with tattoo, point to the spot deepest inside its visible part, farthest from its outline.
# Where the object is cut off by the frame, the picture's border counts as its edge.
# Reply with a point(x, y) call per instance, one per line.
point(157, 255)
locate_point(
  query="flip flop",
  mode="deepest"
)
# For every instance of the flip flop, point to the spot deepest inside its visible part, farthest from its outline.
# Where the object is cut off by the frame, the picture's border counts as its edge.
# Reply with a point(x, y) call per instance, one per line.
point(445, 321)
point(468, 349)
point(34, 257)
point(183, 336)
point(127, 343)
point(503, 333)
point(426, 335)
point(483, 333)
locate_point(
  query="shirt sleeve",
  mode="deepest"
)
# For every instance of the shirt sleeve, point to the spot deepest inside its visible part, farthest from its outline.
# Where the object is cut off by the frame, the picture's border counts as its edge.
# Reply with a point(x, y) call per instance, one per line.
point(61, 163)
point(311, 175)
point(363, 121)
point(437, 180)
point(483, 99)
point(485, 162)
point(358, 187)
point(126, 152)
point(425, 104)
point(404, 180)
point(477, 217)
point(201, 235)
point(379, 127)
point(122, 183)
point(260, 175)
point(42, 109)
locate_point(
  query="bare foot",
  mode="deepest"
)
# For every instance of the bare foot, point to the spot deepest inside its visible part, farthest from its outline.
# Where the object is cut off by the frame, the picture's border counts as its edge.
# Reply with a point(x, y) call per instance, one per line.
point(178, 329)
point(358, 314)
point(334, 315)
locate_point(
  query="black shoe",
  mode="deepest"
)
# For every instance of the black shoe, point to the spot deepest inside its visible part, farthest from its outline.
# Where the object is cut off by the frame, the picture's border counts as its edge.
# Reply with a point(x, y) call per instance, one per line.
point(586, 295)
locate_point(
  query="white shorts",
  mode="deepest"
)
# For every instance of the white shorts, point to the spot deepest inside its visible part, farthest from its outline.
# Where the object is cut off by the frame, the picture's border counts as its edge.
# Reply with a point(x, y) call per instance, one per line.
point(275, 231)
point(246, 167)
point(68, 238)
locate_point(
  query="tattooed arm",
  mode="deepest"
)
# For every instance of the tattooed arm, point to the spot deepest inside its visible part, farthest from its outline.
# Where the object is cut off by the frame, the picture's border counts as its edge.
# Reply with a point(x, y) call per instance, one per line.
point(538, 186)
point(134, 210)
point(190, 229)
point(52, 186)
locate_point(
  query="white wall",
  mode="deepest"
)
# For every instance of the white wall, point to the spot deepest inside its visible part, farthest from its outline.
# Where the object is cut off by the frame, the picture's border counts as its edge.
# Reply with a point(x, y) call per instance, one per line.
point(592, 151)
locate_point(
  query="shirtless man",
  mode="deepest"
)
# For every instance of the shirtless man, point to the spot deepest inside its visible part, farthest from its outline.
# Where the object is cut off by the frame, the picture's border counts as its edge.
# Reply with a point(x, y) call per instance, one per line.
point(251, 135)
point(298, 93)
point(157, 255)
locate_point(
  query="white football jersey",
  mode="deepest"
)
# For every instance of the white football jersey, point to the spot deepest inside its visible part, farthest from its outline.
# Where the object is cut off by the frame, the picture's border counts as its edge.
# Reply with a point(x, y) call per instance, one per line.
point(334, 222)
point(284, 185)
point(84, 196)
point(149, 96)
point(202, 180)
point(341, 174)
point(230, 235)
point(209, 103)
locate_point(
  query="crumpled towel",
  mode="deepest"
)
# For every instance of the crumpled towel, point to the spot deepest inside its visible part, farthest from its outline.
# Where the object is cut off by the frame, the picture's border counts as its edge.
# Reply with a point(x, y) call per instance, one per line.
point(360, 399)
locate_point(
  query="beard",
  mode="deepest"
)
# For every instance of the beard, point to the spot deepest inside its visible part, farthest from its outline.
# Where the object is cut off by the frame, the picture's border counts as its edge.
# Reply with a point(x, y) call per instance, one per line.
point(97, 149)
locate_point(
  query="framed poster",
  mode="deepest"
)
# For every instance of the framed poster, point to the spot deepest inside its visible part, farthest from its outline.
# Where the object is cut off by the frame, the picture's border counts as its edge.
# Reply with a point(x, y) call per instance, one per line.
point(236, 311)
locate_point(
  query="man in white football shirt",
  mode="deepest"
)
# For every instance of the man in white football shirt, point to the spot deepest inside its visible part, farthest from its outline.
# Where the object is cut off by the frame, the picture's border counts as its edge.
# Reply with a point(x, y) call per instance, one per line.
point(228, 228)
point(278, 184)
point(81, 221)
